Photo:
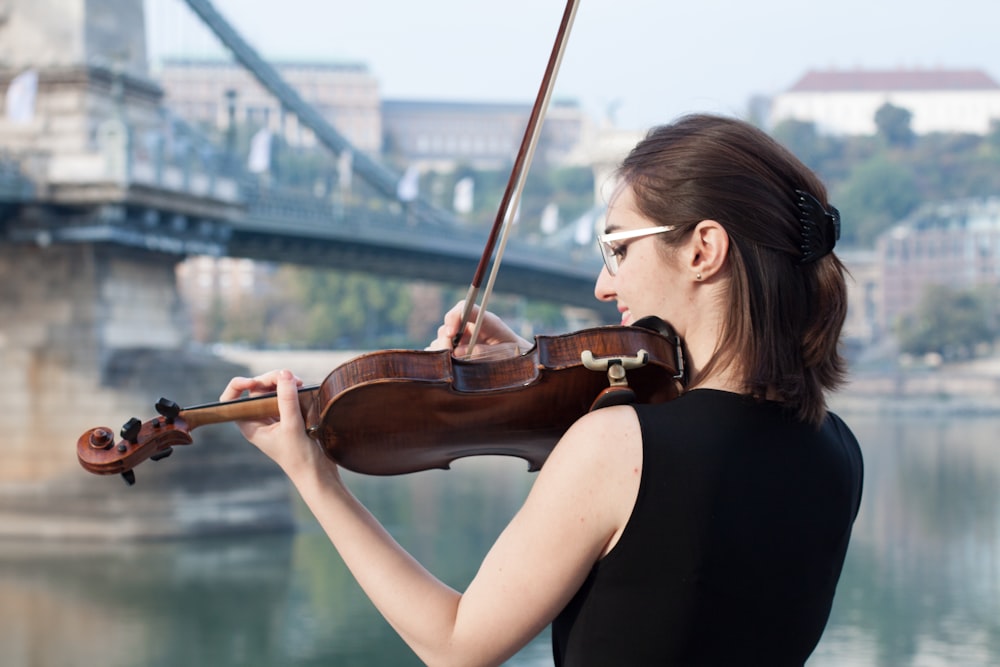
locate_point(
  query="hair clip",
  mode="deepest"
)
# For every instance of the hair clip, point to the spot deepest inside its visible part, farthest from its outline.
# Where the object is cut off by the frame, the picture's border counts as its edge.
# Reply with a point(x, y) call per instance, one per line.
point(820, 227)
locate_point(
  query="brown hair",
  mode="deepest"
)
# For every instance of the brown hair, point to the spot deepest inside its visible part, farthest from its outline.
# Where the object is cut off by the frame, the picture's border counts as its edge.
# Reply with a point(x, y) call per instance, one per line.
point(784, 317)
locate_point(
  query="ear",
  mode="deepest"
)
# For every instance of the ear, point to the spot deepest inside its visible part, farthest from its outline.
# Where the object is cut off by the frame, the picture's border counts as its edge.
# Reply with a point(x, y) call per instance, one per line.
point(709, 249)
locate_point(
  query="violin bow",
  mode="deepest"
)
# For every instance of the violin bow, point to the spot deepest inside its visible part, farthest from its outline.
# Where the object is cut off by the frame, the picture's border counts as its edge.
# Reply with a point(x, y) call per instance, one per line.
point(515, 184)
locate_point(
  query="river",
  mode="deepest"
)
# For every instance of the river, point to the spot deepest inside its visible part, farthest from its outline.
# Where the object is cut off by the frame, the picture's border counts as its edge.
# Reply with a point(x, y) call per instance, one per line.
point(921, 586)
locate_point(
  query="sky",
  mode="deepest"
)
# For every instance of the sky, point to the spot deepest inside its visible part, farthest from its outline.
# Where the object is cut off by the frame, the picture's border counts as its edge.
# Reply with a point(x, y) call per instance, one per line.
point(643, 61)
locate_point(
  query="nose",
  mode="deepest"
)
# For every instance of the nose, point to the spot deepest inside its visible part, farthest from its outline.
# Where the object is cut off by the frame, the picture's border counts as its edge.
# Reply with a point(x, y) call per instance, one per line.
point(604, 288)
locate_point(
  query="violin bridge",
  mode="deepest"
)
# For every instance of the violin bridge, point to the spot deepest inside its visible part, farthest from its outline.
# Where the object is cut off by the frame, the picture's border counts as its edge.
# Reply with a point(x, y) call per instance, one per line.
point(615, 367)
point(618, 392)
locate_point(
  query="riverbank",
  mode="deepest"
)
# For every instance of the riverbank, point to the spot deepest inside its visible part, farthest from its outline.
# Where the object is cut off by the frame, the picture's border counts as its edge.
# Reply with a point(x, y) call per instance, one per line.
point(312, 366)
point(967, 388)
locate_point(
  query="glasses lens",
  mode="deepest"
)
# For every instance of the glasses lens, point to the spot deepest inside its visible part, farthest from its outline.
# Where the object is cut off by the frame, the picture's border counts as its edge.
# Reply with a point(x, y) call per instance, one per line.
point(610, 258)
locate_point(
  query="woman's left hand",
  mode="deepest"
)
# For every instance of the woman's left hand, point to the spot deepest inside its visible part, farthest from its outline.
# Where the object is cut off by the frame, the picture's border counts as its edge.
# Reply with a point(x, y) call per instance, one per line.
point(283, 439)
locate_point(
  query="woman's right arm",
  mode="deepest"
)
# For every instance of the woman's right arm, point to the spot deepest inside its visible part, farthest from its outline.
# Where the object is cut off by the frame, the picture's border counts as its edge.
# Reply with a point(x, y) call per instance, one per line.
point(494, 332)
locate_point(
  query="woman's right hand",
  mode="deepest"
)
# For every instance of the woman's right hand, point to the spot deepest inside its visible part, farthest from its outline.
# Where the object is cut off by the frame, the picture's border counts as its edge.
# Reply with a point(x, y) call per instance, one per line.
point(494, 333)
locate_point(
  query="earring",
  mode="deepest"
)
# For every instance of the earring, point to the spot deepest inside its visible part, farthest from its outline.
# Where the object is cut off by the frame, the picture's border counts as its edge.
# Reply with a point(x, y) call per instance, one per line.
point(697, 276)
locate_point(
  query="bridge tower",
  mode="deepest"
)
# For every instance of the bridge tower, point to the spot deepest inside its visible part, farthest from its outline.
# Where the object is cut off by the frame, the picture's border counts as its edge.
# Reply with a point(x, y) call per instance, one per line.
point(91, 329)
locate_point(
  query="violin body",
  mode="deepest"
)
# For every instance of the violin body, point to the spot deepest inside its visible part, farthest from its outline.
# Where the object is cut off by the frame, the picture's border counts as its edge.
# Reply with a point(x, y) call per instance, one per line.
point(400, 411)
point(444, 408)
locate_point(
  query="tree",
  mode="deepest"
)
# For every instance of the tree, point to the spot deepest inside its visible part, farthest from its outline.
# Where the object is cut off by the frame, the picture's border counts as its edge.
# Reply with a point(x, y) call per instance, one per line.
point(993, 137)
point(803, 139)
point(876, 195)
point(893, 125)
point(341, 309)
point(947, 322)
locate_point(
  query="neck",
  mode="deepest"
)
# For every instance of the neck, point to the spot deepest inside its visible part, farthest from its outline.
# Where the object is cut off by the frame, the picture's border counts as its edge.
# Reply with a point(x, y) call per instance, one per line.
point(704, 342)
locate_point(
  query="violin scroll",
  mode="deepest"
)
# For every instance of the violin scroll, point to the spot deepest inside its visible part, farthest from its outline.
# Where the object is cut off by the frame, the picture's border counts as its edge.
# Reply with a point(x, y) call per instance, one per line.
point(154, 440)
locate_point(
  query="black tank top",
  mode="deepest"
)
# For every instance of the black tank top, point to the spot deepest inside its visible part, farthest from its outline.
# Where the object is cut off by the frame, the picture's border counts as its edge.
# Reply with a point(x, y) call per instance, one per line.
point(733, 550)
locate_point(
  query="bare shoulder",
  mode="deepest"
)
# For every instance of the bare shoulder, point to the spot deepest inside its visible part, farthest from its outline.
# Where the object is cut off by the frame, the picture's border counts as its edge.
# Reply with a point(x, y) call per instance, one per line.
point(601, 434)
point(597, 465)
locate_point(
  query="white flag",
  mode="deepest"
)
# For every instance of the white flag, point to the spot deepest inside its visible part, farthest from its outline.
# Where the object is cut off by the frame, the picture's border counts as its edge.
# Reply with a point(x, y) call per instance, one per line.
point(259, 160)
point(463, 200)
point(21, 95)
point(586, 228)
point(345, 167)
point(550, 218)
point(409, 185)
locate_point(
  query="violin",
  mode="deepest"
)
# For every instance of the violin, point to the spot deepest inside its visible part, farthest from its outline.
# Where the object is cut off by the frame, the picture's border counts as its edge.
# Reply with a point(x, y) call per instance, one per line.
point(394, 412)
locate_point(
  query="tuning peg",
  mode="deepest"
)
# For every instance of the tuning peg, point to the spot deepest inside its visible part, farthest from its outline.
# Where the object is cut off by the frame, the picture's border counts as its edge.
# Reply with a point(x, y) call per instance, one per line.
point(168, 409)
point(129, 477)
point(162, 455)
point(130, 431)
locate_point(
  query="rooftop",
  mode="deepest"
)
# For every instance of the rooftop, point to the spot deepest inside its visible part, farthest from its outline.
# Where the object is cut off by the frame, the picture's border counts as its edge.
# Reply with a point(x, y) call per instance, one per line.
point(896, 80)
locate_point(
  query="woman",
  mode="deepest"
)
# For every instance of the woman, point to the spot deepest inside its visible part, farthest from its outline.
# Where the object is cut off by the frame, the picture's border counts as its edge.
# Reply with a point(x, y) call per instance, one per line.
point(708, 530)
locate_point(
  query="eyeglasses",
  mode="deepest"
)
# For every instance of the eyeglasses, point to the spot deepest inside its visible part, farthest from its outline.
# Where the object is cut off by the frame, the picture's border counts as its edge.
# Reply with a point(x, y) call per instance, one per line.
point(610, 253)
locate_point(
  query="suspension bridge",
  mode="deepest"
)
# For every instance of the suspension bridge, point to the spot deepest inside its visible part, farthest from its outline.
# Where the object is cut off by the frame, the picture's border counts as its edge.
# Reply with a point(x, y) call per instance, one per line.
point(102, 191)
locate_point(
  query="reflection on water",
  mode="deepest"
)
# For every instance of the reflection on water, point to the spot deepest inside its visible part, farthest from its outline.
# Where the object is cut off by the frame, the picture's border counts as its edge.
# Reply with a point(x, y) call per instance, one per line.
point(922, 581)
point(154, 604)
point(921, 585)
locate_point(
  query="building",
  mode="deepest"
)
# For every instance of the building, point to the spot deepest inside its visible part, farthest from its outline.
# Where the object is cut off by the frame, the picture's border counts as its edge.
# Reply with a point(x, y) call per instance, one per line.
point(430, 134)
point(484, 135)
point(863, 283)
point(955, 244)
point(211, 286)
point(844, 102)
point(346, 94)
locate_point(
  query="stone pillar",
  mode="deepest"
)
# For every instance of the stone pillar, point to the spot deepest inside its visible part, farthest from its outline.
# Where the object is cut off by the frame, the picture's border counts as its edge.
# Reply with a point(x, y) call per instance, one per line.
point(93, 82)
point(92, 335)
point(71, 33)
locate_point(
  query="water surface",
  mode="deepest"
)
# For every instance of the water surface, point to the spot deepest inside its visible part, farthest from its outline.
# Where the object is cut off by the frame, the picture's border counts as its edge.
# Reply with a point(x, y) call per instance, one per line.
point(921, 586)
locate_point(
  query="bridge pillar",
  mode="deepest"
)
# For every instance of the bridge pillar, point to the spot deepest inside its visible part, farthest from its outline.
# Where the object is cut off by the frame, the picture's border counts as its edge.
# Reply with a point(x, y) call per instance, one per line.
point(91, 330)
point(91, 335)
point(62, 33)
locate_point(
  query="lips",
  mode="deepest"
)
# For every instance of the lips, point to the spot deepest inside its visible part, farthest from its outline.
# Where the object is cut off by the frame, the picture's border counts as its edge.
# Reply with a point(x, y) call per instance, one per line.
point(626, 316)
